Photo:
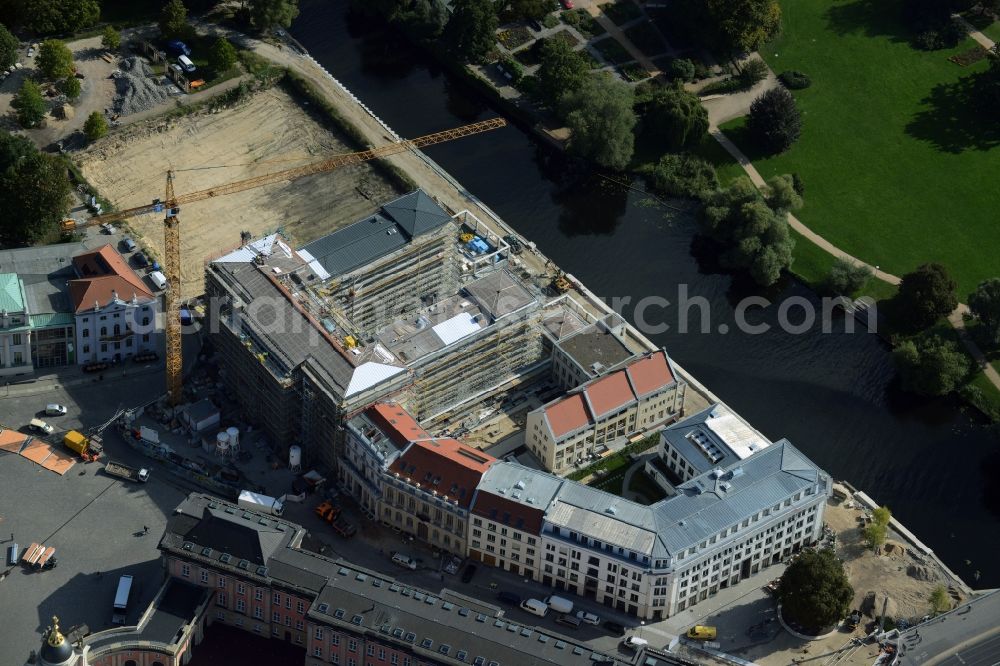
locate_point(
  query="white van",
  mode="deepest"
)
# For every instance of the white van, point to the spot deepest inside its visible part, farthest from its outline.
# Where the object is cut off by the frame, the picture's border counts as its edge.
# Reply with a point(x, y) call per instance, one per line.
point(186, 63)
point(535, 607)
point(159, 279)
point(404, 561)
point(635, 642)
point(559, 604)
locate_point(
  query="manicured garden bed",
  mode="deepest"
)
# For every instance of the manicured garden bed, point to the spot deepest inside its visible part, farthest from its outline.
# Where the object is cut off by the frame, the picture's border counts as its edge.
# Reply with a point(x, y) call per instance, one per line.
point(612, 51)
point(583, 22)
point(514, 37)
point(633, 72)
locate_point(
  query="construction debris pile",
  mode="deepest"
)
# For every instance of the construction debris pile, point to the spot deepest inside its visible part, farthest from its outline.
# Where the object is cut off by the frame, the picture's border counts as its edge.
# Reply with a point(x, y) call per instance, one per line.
point(137, 89)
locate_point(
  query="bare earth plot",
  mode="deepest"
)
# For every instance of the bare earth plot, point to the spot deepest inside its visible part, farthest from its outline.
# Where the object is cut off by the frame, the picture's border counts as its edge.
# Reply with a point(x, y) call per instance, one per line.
point(268, 133)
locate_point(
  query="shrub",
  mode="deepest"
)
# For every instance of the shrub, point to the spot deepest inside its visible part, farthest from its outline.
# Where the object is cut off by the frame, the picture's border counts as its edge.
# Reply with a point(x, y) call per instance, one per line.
point(683, 176)
point(846, 278)
point(96, 126)
point(70, 87)
point(680, 69)
point(528, 85)
point(794, 80)
point(800, 187)
point(29, 104)
point(513, 68)
point(926, 40)
point(111, 39)
point(930, 365)
point(753, 72)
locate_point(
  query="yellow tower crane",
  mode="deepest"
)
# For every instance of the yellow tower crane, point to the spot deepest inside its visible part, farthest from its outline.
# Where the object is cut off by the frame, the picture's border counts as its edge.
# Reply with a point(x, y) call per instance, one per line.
point(172, 202)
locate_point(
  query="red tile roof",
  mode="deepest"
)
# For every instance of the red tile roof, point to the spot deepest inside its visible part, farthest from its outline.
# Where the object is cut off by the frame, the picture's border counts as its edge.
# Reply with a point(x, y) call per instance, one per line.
point(609, 393)
point(508, 512)
point(396, 423)
point(444, 465)
point(567, 415)
point(650, 374)
point(104, 273)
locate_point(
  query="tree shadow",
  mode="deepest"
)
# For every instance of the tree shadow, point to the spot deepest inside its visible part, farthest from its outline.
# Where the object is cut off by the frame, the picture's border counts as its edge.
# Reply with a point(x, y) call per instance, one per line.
point(953, 120)
point(872, 18)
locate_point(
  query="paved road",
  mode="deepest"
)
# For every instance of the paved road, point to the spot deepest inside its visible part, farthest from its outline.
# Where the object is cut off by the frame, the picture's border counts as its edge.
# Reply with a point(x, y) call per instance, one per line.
point(966, 636)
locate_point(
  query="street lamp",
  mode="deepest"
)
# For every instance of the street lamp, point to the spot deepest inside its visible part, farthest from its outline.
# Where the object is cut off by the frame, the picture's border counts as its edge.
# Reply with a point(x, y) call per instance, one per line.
point(642, 623)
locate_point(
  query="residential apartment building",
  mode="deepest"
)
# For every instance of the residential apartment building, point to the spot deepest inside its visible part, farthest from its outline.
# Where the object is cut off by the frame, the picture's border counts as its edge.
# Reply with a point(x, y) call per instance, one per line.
point(429, 488)
point(374, 439)
point(114, 310)
point(590, 352)
point(15, 327)
point(640, 396)
point(246, 569)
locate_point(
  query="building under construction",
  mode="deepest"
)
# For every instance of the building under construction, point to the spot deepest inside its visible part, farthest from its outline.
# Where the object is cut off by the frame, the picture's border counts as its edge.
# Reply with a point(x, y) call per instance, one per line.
point(411, 304)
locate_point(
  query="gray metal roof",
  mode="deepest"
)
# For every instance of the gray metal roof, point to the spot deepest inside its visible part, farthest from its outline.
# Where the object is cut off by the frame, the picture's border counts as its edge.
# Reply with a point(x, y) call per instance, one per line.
point(704, 506)
point(681, 434)
point(439, 628)
point(395, 225)
point(521, 484)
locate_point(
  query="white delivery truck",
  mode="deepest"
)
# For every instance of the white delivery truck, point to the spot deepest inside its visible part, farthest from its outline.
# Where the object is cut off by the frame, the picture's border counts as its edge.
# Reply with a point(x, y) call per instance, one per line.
point(263, 503)
point(122, 595)
point(559, 604)
point(159, 279)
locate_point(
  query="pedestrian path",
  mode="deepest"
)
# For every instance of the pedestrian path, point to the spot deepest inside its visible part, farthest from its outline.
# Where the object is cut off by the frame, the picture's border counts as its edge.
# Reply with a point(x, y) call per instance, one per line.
point(980, 38)
point(616, 33)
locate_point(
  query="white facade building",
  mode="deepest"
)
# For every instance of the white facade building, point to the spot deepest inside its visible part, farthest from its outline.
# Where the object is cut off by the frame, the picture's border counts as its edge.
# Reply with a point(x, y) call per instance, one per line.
point(15, 328)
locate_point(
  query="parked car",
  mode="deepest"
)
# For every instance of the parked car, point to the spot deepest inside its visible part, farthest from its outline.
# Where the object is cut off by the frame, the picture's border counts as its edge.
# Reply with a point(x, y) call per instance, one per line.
point(186, 63)
point(509, 598)
point(140, 259)
point(470, 571)
point(589, 618)
point(567, 4)
point(569, 620)
point(178, 47)
point(535, 25)
point(634, 642)
point(128, 244)
point(404, 561)
point(852, 621)
point(702, 633)
point(535, 607)
point(31, 51)
point(177, 68)
point(614, 628)
point(41, 426)
point(55, 410)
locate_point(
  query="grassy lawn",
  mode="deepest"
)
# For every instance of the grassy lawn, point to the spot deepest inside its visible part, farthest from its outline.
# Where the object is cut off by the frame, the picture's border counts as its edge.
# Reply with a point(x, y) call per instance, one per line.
point(645, 38)
point(992, 31)
point(612, 51)
point(898, 168)
point(725, 166)
point(622, 11)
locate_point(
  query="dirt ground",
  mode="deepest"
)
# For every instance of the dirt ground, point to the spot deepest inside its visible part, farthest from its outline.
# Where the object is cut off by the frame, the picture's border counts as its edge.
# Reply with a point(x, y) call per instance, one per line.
point(882, 574)
point(266, 134)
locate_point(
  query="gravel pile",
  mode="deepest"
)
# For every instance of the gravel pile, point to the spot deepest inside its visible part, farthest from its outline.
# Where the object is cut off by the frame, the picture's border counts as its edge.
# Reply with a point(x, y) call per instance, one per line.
point(137, 89)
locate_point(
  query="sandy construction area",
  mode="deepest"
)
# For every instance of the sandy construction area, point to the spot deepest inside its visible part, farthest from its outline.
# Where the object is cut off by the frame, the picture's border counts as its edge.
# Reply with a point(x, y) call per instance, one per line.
point(268, 133)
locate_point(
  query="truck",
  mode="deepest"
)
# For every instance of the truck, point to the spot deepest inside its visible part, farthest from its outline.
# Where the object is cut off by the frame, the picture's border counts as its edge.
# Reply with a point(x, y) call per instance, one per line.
point(140, 475)
point(89, 448)
point(264, 503)
point(122, 594)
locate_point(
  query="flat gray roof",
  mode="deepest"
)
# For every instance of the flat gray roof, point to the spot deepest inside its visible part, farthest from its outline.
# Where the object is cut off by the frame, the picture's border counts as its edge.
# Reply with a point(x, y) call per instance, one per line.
point(175, 609)
point(596, 344)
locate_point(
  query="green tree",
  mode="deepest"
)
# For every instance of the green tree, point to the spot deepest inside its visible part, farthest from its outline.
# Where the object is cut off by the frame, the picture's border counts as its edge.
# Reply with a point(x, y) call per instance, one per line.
point(680, 69)
point(530, 9)
point(774, 120)
point(34, 192)
point(939, 600)
point(925, 295)
point(267, 14)
point(70, 87)
point(55, 60)
point(96, 126)
point(675, 119)
point(930, 365)
point(173, 20)
point(753, 72)
point(744, 25)
point(984, 303)
point(222, 56)
point(882, 515)
point(602, 121)
point(754, 236)
point(561, 71)
point(8, 47)
point(782, 195)
point(46, 17)
point(845, 278)
point(111, 39)
point(424, 19)
point(471, 30)
point(29, 104)
point(683, 175)
point(875, 535)
point(814, 590)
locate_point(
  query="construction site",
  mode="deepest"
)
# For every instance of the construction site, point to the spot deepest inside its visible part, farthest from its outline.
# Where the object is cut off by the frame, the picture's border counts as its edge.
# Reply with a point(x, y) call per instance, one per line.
point(269, 132)
point(435, 310)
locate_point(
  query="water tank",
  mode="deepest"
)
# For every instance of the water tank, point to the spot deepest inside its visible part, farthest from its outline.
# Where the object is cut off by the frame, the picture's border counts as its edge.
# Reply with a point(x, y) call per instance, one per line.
point(295, 457)
point(234, 436)
point(222, 443)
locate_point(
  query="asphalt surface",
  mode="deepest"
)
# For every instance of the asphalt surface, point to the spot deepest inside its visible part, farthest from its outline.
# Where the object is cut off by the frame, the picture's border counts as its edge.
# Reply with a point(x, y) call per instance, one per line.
point(966, 636)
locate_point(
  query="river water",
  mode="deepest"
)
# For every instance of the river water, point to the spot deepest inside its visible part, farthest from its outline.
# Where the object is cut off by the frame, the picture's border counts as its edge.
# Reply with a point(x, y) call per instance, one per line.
point(832, 394)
